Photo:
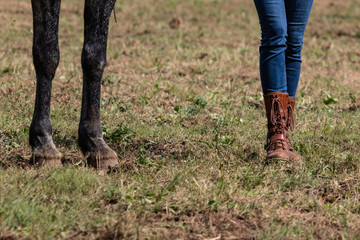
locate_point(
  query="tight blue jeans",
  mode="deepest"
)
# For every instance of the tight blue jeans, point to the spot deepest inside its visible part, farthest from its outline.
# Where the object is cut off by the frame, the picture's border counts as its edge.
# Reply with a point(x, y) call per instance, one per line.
point(283, 25)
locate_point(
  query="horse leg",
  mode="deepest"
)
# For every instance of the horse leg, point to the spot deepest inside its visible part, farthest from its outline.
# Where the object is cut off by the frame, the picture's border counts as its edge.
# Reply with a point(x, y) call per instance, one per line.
point(46, 59)
point(93, 60)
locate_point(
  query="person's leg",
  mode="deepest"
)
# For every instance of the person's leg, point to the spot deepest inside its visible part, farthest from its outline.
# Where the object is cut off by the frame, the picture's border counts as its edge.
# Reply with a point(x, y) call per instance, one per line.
point(297, 15)
point(272, 18)
point(273, 24)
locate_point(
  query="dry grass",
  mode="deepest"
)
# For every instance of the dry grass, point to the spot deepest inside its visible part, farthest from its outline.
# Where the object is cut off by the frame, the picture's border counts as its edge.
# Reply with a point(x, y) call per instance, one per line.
point(182, 106)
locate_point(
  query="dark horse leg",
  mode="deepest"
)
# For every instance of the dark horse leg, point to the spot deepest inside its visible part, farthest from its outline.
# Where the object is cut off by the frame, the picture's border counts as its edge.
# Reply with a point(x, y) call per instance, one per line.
point(93, 60)
point(46, 59)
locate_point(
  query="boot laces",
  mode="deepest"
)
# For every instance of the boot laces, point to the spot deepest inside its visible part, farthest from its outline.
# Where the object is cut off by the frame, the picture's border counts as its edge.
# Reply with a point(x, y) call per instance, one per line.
point(279, 128)
point(275, 115)
point(275, 144)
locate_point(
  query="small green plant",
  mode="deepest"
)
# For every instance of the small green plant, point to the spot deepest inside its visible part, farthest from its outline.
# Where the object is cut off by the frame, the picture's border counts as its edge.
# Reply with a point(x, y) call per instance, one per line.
point(120, 134)
point(330, 100)
point(201, 103)
point(109, 101)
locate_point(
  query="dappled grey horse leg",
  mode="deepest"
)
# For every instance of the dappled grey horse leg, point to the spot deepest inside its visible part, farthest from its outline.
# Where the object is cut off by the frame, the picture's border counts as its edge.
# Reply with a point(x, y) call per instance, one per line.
point(93, 60)
point(46, 59)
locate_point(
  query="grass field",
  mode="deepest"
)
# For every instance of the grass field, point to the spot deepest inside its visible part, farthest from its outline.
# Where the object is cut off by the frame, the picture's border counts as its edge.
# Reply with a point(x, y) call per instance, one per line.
point(182, 106)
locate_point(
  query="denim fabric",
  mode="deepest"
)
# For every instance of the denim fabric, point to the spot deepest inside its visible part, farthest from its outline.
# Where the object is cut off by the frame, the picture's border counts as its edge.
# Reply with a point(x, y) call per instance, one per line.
point(283, 25)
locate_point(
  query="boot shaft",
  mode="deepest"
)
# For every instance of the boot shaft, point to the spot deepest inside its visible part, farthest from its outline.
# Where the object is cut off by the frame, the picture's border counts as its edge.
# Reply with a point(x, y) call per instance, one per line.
point(292, 102)
point(276, 105)
point(291, 108)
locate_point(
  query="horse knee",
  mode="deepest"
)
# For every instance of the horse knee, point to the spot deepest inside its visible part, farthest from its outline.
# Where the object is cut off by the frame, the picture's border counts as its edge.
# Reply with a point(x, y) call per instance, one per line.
point(46, 58)
point(93, 58)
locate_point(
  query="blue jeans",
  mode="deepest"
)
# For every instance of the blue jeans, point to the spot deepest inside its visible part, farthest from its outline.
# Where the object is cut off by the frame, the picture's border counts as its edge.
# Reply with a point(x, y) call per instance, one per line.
point(283, 25)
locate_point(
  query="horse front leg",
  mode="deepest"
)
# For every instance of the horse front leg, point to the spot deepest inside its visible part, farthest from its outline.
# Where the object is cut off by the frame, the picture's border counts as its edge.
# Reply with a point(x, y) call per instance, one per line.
point(93, 60)
point(46, 59)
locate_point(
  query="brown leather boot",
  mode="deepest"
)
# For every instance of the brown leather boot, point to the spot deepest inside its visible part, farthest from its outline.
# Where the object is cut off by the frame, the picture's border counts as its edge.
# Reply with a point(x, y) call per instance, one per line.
point(290, 125)
point(277, 115)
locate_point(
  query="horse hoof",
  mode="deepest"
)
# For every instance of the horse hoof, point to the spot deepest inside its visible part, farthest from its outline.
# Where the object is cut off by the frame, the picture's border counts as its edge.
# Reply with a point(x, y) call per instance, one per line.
point(104, 159)
point(46, 155)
